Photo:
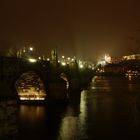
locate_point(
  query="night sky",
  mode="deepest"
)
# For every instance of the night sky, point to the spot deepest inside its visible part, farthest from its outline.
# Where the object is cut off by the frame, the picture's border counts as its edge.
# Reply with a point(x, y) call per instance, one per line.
point(87, 29)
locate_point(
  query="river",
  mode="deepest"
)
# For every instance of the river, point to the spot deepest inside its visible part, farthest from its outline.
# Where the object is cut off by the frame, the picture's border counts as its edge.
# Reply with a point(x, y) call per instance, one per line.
point(108, 109)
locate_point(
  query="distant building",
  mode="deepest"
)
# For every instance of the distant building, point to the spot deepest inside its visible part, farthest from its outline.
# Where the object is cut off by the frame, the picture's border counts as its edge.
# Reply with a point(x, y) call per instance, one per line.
point(107, 58)
point(132, 57)
point(131, 62)
point(116, 59)
point(114, 69)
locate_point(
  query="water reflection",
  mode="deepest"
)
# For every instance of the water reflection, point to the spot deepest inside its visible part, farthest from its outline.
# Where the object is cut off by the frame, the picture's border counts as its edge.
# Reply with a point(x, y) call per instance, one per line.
point(31, 123)
point(83, 115)
point(100, 83)
point(111, 108)
point(130, 77)
point(73, 125)
point(69, 128)
point(31, 114)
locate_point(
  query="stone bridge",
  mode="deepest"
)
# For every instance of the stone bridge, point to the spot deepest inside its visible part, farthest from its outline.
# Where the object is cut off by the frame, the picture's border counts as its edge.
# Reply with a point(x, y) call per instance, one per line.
point(58, 80)
point(53, 77)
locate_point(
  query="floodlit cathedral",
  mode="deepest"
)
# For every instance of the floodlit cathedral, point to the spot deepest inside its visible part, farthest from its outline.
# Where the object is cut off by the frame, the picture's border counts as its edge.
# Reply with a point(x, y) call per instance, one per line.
point(107, 58)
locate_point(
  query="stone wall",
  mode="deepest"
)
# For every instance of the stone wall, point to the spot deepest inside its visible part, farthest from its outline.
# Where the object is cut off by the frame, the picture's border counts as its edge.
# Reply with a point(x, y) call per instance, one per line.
point(8, 119)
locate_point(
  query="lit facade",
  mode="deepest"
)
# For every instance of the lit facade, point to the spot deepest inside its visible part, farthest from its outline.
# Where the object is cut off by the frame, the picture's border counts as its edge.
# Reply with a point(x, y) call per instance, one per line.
point(132, 57)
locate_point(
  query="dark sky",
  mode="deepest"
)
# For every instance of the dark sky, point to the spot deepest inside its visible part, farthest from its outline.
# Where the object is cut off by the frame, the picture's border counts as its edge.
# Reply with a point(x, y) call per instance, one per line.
point(87, 29)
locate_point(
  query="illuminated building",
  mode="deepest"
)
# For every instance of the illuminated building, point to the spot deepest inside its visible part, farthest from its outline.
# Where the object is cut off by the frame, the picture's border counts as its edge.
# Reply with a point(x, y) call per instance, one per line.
point(114, 69)
point(107, 58)
point(132, 57)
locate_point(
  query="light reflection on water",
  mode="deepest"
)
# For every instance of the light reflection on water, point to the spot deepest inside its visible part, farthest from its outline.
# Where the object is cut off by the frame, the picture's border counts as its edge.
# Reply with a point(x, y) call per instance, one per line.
point(115, 112)
point(68, 128)
point(100, 83)
point(31, 122)
point(73, 125)
point(31, 114)
point(83, 115)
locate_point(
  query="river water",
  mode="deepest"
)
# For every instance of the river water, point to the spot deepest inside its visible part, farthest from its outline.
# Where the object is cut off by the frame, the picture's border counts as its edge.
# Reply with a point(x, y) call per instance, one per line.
point(108, 109)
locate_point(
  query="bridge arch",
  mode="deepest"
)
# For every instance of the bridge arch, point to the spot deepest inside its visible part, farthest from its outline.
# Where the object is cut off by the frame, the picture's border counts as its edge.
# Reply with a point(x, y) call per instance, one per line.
point(37, 78)
point(55, 86)
point(30, 86)
point(53, 78)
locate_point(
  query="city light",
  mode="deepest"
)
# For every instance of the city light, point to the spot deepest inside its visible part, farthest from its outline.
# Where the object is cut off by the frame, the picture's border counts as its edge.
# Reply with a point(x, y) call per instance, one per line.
point(39, 58)
point(72, 59)
point(102, 62)
point(32, 96)
point(31, 49)
point(32, 60)
point(63, 64)
point(81, 66)
point(48, 59)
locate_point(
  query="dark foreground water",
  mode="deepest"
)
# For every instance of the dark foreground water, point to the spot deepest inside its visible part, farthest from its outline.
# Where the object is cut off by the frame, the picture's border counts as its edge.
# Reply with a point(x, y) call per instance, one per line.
point(108, 109)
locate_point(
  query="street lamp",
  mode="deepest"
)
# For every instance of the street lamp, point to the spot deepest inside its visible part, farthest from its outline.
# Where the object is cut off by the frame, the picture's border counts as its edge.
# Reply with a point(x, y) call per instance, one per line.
point(48, 59)
point(31, 48)
point(63, 64)
point(32, 60)
point(81, 66)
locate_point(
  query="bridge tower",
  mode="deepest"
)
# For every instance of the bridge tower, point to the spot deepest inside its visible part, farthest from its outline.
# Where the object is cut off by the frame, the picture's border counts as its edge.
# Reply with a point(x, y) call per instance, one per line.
point(54, 56)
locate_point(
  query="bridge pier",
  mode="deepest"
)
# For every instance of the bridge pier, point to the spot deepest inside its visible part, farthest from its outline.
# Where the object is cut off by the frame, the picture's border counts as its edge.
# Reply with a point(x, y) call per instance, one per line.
point(58, 91)
point(7, 90)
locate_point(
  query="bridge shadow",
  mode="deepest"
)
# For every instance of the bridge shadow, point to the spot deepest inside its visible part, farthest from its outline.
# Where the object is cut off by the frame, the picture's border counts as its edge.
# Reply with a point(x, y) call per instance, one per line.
point(47, 121)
